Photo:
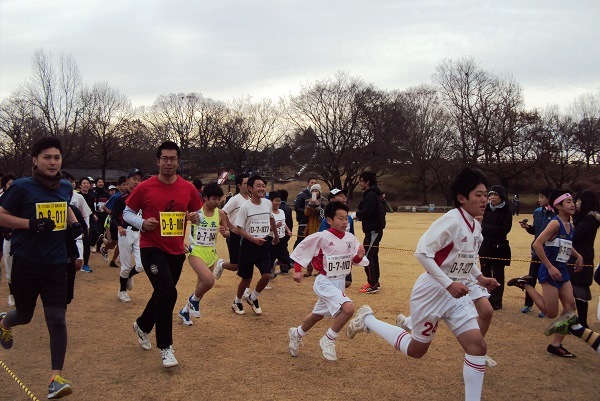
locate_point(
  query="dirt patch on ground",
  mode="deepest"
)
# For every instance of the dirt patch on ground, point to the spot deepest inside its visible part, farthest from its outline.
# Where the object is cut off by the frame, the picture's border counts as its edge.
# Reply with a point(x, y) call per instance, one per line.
point(224, 356)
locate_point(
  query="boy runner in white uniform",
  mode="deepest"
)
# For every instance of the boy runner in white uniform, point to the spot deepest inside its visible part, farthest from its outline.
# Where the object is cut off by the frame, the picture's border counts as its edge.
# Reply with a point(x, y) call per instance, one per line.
point(332, 254)
point(448, 252)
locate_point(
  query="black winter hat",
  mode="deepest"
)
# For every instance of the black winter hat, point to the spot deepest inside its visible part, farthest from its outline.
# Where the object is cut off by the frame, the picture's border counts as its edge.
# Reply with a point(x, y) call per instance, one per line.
point(498, 189)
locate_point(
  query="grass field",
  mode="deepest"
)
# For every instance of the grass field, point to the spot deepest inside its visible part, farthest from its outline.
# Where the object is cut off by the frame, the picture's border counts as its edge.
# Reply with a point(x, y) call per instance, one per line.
point(224, 356)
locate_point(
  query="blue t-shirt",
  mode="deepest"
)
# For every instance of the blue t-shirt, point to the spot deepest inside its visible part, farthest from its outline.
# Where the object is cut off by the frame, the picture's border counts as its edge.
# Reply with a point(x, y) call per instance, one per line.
point(111, 202)
point(26, 198)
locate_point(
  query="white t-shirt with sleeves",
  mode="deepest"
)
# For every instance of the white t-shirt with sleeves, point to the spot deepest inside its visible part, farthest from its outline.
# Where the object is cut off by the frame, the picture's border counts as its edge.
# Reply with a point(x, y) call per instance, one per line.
point(255, 219)
point(232, 207)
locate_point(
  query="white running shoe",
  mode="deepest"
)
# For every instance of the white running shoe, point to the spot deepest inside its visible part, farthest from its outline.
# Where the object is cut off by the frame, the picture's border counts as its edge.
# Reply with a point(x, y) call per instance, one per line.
point(11, 300)
point(130, 284)
point(218, 270)
point(268, 287)
point(255, 306)
point(403, 322)
point(142, 337)
point(328, 347)
point(489, 362)
point(357, 323)
point(238, 308)
point(185, 317)
point(168, 357)
point(124, 296)
point(295, 341)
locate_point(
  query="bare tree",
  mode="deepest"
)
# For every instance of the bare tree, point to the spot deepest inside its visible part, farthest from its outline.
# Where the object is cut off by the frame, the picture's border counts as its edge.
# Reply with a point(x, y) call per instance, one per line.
point(427, 134)
point(332, 114)
point(585, 111)
point(54, 91)
point(104, 118)
point(19, 129)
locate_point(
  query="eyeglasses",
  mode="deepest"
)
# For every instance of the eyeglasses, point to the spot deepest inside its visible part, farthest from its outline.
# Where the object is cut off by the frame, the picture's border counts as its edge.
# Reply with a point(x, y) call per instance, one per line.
point(171, 159)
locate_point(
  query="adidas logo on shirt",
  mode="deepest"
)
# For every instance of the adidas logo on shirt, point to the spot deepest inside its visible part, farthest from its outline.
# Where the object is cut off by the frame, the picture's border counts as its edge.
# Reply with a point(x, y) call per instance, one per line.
point(464, 239)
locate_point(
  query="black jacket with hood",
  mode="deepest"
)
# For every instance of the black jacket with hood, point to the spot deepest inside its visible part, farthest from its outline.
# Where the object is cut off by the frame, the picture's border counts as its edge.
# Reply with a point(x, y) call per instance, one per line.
point(371, 211)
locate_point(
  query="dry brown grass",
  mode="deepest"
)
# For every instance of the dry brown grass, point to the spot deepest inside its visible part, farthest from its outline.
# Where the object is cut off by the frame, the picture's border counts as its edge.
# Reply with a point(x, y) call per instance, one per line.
point(229, 357)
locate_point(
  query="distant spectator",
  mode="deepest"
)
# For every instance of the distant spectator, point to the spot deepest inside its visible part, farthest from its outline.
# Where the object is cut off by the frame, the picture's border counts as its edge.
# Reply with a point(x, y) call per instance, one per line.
point(299, 205)
point(516, 204)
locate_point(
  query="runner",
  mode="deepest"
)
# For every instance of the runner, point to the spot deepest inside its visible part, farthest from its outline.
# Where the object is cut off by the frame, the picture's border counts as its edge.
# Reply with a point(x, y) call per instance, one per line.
point(165, 200)
point(554, 246)
point(36, 208)
point(128, 237)
point(231, 208)
point(332, 254)
point(254, 222)
point(203, 249)
point(447, 251)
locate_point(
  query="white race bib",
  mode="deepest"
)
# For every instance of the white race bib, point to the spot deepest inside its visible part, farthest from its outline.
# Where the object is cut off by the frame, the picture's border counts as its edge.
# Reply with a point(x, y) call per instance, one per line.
point(565, 247)
point(260, 228)
point(338, 265)
point(204, 236)
point(461, 268)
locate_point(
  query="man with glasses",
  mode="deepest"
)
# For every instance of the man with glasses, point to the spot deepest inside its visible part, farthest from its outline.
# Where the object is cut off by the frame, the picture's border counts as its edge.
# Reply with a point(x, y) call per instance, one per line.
point(167, 201)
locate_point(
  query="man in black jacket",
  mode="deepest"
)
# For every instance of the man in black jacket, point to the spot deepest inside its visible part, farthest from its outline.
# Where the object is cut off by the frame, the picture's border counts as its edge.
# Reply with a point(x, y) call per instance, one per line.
point(496, 224)
point(299, 205)
point(372, 214)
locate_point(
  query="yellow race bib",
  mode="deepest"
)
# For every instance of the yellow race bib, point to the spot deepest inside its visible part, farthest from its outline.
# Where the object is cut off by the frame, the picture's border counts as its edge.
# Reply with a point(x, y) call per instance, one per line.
point(172, 224)
point(55, 211)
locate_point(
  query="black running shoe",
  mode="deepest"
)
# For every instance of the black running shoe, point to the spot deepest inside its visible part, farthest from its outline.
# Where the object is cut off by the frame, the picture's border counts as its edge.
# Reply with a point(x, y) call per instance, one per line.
point(559, 351)
point(520, 282)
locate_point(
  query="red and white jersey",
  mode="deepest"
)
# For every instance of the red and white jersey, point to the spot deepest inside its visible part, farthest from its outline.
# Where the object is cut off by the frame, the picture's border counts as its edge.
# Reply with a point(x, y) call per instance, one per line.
point(453, 242)
point(330, 254)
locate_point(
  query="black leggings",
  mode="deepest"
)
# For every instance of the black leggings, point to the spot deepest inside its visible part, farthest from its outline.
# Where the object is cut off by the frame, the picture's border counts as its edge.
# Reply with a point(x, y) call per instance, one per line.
point(57, 328)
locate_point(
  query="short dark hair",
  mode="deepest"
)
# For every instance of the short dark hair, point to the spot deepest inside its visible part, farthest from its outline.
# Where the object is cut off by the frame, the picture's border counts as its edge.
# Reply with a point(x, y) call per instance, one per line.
point(284, 194)
point(121, 180)
point(6, 178)
point(312, 178)
point(555, 195)
point(274, 195)
point(197, 183)
point(240, 178)
point(255, 178)
point(212, 189)
point(44, 143)
point(465, 181)
point(86, 179)
point(369, 176)
point(546, 191)
point(333, 207)
point(99, 178)
point(169, 145)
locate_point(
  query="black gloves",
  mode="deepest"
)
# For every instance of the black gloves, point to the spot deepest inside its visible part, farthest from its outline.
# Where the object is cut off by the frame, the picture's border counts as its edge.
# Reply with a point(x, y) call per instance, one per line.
point(41, 225)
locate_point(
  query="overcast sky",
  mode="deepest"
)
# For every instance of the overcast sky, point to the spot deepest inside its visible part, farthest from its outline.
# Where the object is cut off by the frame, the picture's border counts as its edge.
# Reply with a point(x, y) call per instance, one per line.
point(227, 49)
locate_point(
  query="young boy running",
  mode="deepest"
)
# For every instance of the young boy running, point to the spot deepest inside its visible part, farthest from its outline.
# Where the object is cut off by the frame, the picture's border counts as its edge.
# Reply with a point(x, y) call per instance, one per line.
point(447, 251)
point(203, 249)
point(332, 254)
point(280, 251)
point(554, 247)
point(254, 222)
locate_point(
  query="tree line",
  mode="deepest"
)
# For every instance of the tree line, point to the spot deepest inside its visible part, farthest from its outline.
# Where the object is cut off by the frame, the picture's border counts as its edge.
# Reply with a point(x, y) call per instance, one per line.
point(335, 128)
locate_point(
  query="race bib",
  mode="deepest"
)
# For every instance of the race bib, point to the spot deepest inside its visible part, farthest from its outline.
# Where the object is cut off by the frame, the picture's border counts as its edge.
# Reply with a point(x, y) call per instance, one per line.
point(260, 228)
point(204, 236)
point(461, 268)
point(55, 211)
point(172, 224)
point(338, 265)
point(565, 247)
point(281, 230)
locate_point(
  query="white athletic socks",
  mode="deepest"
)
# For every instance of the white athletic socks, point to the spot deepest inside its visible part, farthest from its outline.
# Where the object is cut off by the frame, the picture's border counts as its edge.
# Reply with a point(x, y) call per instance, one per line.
point(473, 371)
point(254, 295)
point(194, 297)
point(301, 332)
point(394, 335)
point(238, 300)
point(332, 335)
